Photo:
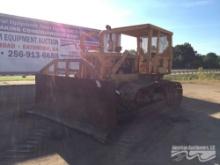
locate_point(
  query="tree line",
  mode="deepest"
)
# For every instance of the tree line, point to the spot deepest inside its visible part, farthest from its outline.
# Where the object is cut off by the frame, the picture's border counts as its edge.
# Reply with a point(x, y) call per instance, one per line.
point(185, 57)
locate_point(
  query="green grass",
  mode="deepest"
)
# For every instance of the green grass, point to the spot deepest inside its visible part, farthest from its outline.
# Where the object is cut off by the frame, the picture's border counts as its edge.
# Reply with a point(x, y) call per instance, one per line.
point(179, 77)
point(17, 78)
point(197, 76)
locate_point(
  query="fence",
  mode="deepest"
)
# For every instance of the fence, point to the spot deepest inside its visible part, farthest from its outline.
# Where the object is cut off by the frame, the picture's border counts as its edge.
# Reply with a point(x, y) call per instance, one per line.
point(193, 71)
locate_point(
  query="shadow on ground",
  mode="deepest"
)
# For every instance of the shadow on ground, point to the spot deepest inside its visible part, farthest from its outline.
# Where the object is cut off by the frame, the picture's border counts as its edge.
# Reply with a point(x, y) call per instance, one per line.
point(145, 140)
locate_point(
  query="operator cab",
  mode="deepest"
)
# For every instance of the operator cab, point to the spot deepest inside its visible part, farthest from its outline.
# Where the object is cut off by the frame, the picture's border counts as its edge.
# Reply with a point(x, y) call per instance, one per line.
point(153, 54)
point(110, 41)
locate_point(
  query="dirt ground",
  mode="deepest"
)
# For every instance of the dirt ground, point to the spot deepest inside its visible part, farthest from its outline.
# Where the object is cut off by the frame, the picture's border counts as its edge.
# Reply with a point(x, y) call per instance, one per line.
point(148, 139)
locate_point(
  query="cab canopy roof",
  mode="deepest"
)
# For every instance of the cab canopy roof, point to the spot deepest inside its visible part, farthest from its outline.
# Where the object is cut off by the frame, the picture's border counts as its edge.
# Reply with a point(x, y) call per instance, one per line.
point(140, 30)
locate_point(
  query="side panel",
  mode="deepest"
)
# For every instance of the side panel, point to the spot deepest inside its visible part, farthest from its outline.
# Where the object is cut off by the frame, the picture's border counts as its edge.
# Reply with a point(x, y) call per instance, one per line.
point(77, 103)
point(27, 45)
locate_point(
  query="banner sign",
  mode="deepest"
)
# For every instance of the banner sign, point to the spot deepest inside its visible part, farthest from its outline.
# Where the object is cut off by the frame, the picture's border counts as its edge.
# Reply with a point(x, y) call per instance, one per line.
point(27, 45)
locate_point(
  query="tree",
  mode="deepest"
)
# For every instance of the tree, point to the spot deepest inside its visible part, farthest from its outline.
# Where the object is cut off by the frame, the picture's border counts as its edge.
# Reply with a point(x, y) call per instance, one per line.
point(211, 60)
point(198, 61)
point(184, 56)
point(219, 61)
point(132, 51)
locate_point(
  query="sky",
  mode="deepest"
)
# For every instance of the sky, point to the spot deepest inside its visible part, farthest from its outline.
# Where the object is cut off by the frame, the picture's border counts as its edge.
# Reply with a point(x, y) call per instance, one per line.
point(193, 21)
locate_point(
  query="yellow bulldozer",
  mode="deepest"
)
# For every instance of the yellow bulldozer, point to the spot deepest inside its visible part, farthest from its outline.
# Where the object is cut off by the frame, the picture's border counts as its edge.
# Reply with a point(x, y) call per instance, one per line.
point(94, 92)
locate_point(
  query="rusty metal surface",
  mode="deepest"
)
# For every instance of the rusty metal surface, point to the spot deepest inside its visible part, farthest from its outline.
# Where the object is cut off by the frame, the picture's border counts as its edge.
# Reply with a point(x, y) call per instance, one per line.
point(77, 103)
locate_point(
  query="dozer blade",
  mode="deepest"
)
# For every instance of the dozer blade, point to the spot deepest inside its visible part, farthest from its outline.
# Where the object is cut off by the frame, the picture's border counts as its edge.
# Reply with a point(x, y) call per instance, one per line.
point(82, 104)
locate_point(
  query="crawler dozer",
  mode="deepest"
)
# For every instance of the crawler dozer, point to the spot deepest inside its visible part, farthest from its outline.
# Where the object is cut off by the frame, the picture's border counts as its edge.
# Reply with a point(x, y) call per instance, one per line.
point(96, 91)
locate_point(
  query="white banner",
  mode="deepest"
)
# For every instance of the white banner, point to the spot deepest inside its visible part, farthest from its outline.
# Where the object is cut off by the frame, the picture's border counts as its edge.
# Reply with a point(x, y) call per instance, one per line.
point(27, 45)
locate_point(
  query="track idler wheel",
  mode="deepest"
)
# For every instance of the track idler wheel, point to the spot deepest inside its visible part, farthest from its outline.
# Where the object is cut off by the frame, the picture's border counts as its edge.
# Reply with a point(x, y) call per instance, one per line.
point(143, 98)
point(173, 94)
